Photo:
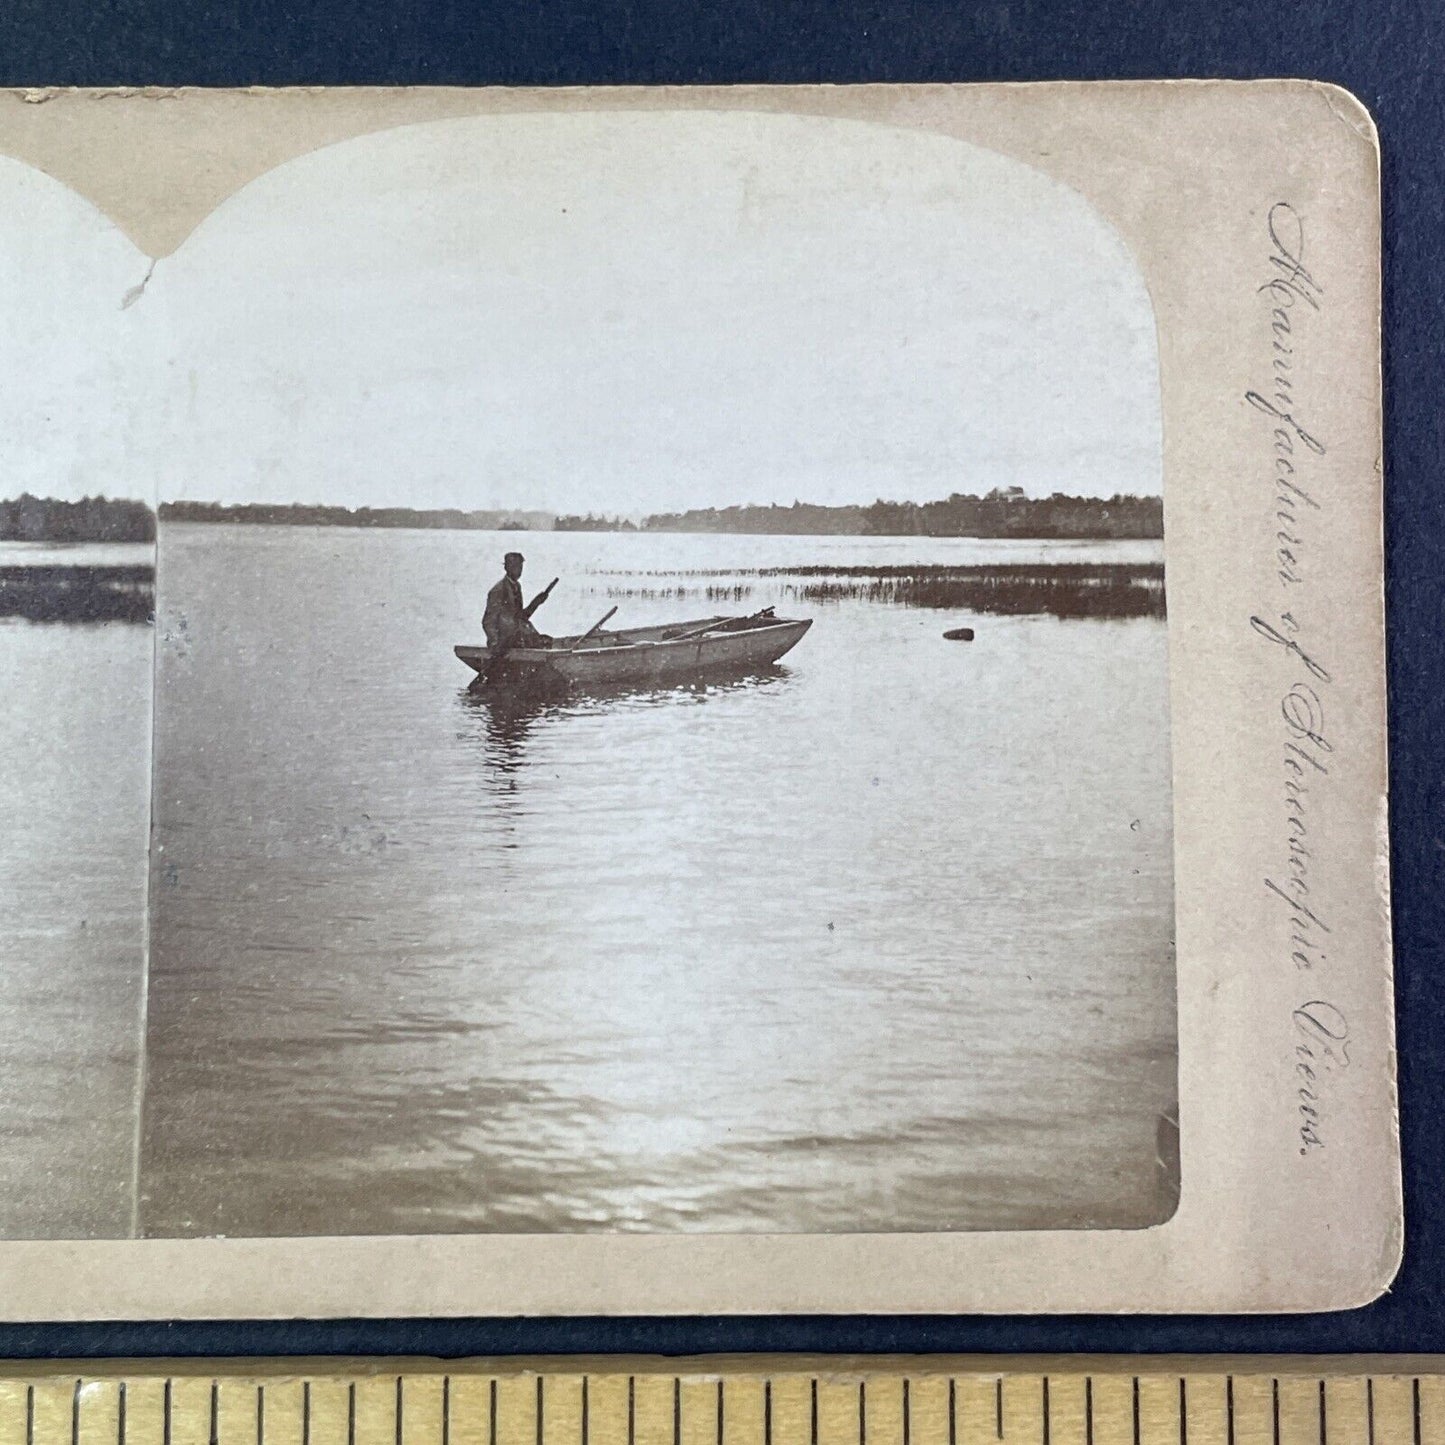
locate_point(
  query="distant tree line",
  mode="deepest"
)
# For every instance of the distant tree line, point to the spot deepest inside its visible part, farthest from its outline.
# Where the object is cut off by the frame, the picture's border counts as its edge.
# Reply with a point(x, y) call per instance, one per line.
point(1001, 513)
point(311, 514)
point(591, 523)
point(802, 518)
point(1009, 513)
point(92, 519)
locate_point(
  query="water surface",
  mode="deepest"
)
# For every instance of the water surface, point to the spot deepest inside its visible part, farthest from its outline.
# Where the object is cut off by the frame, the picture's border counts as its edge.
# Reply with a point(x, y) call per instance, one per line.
point(74, 796)
point(878, 939)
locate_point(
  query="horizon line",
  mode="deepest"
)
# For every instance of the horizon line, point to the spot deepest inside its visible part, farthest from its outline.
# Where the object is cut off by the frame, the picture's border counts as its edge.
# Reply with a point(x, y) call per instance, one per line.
point(994, 494)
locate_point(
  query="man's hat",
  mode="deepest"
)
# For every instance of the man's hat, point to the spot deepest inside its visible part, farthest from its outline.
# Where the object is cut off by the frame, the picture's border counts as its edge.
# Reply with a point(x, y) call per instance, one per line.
point(508, 557)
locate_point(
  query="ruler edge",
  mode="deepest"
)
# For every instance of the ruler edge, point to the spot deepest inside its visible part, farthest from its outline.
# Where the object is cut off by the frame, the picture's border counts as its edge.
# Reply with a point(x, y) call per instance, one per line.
point(724, 1366)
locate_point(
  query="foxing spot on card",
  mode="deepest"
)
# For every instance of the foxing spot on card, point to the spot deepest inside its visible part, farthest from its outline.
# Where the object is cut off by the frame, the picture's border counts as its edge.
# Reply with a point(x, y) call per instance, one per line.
point(674, 700)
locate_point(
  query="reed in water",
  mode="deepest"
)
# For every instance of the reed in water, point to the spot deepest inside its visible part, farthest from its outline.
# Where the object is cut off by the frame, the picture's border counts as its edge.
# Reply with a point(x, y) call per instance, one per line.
point(1068, 589)
point(67, 593)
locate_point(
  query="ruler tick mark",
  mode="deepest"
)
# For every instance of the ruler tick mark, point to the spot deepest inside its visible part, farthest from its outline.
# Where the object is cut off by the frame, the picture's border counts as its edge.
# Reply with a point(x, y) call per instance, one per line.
point(168, 1427)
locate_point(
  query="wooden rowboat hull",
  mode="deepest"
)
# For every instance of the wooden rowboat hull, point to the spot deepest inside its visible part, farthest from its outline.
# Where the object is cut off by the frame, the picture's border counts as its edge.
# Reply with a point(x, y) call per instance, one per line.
point(642, 655)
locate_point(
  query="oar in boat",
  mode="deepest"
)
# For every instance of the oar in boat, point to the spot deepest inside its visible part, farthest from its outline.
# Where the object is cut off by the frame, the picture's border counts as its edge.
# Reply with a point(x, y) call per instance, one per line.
point(539, 599)
point(718, 622)
point(496, 659)
point(593, 630)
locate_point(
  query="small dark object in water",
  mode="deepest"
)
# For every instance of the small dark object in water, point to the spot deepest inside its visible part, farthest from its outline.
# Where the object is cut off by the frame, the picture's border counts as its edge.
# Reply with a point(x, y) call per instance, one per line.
point(960, 634)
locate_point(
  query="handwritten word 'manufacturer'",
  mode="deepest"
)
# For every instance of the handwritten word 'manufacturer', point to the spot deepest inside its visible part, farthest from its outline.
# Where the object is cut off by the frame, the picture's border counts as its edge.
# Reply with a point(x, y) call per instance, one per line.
point(1290, 285)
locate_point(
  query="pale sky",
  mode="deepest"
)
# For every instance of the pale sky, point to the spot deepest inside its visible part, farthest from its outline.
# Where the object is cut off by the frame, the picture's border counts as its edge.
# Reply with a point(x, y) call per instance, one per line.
point(78, 384)
point(608, 312)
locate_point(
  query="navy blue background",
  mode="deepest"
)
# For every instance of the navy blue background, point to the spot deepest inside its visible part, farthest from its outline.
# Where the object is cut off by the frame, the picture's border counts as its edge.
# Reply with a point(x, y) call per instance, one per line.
point(1390, 53)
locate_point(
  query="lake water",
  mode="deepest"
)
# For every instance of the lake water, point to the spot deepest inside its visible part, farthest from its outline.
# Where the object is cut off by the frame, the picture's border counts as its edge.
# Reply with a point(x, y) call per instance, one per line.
point(76, 554)
point(881, 939)
point(74, 795)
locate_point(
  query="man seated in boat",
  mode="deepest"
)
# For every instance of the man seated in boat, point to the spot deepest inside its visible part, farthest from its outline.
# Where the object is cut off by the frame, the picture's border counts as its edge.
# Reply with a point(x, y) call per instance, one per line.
point(506, 621)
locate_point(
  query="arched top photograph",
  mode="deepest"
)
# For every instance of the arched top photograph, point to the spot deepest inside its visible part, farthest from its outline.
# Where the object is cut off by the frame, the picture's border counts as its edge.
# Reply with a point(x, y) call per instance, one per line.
point(691, 678)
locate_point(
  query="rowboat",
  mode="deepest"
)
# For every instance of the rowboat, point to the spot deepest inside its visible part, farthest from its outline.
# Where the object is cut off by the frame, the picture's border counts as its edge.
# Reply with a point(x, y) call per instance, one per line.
point(673, 652)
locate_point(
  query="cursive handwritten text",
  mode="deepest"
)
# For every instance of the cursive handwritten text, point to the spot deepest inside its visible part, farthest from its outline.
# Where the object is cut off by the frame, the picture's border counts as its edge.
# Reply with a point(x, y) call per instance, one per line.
point(1294, 296)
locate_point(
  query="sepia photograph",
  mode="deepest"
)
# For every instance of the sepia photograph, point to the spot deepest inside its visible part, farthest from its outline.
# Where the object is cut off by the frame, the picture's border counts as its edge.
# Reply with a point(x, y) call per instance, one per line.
point(661, 691)
point(77, 573)
point(606, 668)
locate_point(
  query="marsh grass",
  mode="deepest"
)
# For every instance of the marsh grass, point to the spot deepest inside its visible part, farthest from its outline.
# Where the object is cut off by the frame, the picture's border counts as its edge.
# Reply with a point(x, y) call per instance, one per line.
point(1068, 589)
point(78, 593)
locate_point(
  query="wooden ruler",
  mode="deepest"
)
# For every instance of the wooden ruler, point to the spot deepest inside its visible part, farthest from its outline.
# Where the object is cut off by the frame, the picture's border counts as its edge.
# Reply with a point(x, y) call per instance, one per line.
point(775, 1400)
